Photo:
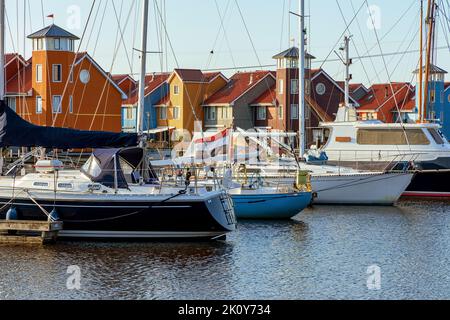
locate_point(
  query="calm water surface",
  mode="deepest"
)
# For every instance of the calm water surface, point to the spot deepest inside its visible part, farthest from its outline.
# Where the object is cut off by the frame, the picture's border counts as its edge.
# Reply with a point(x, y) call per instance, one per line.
point(323, 254)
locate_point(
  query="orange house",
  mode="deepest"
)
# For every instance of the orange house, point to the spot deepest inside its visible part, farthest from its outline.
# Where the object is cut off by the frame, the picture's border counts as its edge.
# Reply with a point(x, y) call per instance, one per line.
point(57, 87)
point(189, 88)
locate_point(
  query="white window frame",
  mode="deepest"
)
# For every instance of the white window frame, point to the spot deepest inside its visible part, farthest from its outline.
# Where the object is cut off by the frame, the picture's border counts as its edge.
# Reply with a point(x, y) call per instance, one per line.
point(57, 41)
point(176, 115)
point(176, 90)
point(59, 106)
point(70, 104)
point(129, 113)
point(53, 73)
point(261, 113)
point(39, 73)
point(294, 86)
point(281, 86)
point(294, 115)
point(163, 115)
point(39, 103)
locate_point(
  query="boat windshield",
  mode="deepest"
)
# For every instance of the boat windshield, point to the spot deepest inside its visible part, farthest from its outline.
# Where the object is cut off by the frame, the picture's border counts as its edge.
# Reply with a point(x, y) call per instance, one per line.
point(436, 136)
point(92, 167)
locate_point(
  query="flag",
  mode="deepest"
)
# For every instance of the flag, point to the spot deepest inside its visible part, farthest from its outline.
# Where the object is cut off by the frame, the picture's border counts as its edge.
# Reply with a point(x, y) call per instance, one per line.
point(211, 149)
point(51, 16)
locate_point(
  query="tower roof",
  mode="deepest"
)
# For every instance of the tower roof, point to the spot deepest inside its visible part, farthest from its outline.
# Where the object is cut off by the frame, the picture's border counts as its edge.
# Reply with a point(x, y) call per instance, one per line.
point(291, 53)
point(52, 31)
point(433, 70)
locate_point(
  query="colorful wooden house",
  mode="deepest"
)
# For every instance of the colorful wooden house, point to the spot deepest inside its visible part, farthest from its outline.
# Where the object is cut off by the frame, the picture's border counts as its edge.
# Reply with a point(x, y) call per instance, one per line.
point(58, 87)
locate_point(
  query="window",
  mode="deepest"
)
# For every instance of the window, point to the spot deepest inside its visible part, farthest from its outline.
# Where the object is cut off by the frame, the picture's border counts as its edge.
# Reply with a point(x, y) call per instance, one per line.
point(71, 104)
point(294, 86)
point(281, 86)
point(436, 136)
point(163, 113)
point(176, 90)
point(129, 113)
point(11, 103)
point(294, 111)
point(280, 112)
point(70, 45)
point(65, 186)
point(39, 73)
point(432, 96)
point(57, 73)
point(57, 43)
point(38, 105)
point(261, 113)
point(38, 44)
point(391, 137)
point(211, 113)
point(40, 184)
point(176, 113)
point(56, 104)
point(307, 113)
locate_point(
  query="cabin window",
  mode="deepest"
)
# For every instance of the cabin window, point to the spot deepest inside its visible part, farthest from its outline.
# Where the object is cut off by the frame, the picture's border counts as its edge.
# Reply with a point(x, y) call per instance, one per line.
point(294, 86)
point(39, 73)
point(163, 113)
point(40, 184)
point(261, 113)
point(56, 104)
point(38, 105)
point(176, 113)
point(65, 186)
point(294, 111)
point(436, 136)
point(391, 137)
point(57, 73)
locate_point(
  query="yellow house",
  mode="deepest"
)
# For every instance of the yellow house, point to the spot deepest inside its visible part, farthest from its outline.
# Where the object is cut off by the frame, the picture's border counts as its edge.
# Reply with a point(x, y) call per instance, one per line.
point(189, 88)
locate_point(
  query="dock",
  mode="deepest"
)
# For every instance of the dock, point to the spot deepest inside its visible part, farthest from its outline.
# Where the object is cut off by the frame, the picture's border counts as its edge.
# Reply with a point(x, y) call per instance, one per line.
point(29, 232)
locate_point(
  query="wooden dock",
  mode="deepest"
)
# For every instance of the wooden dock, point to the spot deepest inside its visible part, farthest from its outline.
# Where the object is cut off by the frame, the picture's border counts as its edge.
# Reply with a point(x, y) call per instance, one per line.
point(29, 232)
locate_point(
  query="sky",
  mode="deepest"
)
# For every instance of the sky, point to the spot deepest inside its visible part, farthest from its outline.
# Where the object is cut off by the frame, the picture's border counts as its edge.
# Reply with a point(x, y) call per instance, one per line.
point(233, 34)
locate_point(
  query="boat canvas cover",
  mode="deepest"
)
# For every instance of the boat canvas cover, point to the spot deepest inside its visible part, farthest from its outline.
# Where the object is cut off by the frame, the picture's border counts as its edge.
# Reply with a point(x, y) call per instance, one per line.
point(16, 132)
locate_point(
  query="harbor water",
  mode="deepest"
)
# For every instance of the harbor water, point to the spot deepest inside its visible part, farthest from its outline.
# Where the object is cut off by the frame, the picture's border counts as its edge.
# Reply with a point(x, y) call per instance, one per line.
point(400, 252)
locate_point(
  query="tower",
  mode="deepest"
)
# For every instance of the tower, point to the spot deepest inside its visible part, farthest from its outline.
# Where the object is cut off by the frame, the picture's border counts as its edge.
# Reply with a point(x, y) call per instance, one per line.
point(52, 57)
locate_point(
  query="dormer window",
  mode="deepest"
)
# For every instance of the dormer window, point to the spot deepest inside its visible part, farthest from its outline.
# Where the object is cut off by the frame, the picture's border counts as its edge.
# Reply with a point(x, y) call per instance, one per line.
point(57, 43)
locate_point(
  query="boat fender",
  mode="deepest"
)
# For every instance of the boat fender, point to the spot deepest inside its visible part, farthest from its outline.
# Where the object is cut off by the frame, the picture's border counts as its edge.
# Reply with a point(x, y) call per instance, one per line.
point(188, 178)
point(53, 216)
point(12, 214)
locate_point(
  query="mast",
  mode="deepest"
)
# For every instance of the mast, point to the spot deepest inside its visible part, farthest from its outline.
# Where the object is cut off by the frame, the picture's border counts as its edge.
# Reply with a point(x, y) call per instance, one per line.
point(301, 82)
point(2, 49)
point(420, 105)
point(140, 108)
point(430, 23)
point(348, 63)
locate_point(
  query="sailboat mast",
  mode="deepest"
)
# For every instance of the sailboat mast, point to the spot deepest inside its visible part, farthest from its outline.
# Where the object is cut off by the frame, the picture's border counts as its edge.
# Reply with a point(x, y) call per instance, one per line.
point(348, 62)
point(2, 49)
point(140, 108)
point(430, 22)
point(420, 105)
point(301, 115)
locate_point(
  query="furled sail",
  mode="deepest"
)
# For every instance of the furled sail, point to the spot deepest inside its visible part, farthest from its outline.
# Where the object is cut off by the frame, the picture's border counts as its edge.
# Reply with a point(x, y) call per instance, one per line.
point(16, 132)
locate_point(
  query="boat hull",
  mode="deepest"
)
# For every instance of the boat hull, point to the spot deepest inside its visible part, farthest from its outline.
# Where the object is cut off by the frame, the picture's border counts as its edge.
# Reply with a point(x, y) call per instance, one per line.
point(270, 206)
point(110, 219)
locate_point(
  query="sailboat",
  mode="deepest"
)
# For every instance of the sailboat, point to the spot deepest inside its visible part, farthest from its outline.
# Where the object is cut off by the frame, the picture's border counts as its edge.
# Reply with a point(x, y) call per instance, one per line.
point(115, 195)
point(374, 144)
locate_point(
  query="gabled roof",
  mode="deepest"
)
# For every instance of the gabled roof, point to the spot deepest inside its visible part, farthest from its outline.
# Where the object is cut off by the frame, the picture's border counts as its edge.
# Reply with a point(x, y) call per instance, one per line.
point(152, 82)
point(291, 53)
point(10, 57)
point(380, 96)
point(119, 78)
point(84, 55)
point(164, 101)
point(433, 70)
point(21, 83)
point(237, 86)
point(52, 31)
point(195, 75)
point(315, 73)
point(267, 98)
point(356, 86)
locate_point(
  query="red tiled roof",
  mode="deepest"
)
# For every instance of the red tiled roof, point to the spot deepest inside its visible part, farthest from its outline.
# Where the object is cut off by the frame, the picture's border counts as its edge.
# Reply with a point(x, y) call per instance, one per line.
point(381, 96)
point(190, 75)
point(164, 101)
point(21, 82)
point(118, 78)
point(268, 97)
point(239, 83)
point(152, 82)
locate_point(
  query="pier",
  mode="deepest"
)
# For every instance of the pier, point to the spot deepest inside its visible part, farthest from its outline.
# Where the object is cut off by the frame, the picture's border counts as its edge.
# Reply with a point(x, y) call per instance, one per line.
point(29, 232)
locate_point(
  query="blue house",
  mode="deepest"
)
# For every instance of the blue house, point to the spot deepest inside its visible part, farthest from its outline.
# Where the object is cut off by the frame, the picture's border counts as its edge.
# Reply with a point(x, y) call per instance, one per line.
point(156, 88)
point(438, 104)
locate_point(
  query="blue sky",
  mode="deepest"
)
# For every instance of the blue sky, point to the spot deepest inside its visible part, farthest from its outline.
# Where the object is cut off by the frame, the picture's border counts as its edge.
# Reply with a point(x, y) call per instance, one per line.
point(194, 29)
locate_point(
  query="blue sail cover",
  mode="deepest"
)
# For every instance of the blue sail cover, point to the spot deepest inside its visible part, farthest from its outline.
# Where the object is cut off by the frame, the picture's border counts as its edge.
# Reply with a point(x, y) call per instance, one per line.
point(16, 132)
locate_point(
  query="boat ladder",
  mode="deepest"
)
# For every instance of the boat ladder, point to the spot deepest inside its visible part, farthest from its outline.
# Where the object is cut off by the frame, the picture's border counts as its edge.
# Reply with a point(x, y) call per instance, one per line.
point(228, 207)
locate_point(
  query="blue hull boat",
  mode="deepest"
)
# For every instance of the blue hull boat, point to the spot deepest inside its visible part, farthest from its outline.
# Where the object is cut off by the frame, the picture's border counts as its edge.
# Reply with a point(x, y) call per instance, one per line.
point(270, 206)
